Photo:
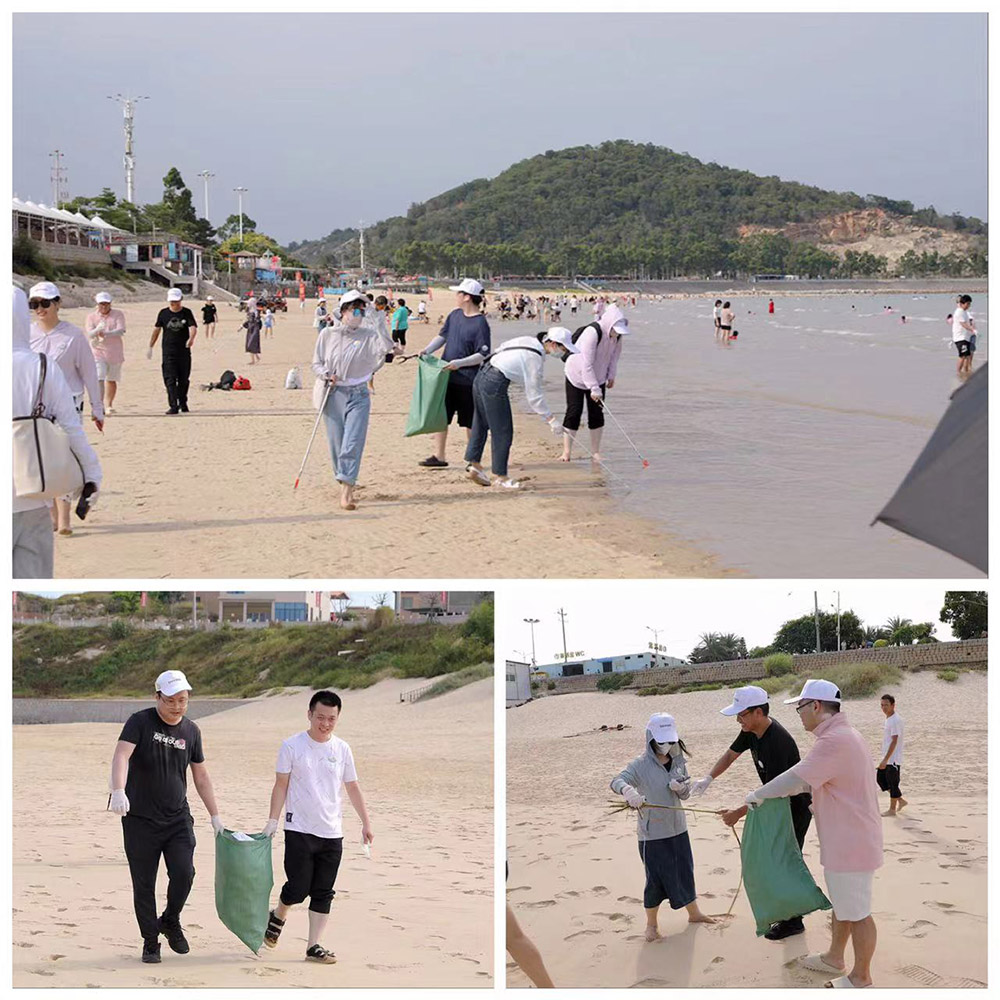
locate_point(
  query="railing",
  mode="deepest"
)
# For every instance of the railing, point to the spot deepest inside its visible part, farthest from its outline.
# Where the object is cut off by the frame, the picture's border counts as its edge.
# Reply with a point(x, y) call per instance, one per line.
point(414, 694)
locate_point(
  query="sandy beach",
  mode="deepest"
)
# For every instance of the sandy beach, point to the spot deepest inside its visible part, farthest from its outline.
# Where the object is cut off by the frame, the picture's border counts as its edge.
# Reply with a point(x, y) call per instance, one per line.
point(209, 493)
point(418, 914)
point(576, 881)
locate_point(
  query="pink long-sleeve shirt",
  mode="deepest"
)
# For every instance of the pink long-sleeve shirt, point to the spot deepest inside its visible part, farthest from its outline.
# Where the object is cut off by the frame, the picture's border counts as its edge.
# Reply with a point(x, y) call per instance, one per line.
point(66, 346)
point(840, 771)
point(111, 347)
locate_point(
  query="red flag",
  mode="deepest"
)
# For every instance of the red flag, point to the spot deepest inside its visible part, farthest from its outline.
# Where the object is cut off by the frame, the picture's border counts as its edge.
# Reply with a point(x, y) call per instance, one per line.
point(142, 602)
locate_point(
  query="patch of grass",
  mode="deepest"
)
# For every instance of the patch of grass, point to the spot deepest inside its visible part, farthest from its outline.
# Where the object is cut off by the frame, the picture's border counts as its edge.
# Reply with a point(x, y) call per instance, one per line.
point(689, 688)
point(862, 680)
point(779, 664)
point(551, 686)
point(613, 682)
point(661, 689)
point(452, 682)
point(777, 685)
point(948, 675)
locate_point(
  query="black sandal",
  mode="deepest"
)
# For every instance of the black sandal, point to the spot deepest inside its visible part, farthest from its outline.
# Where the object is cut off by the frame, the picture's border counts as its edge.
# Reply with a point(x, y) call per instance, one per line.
point(317, 953)
point(433, 462)
point(274, 926)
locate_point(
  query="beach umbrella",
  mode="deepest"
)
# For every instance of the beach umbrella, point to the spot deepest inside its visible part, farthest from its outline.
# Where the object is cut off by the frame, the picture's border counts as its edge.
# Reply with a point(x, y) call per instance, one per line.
point(943, 499)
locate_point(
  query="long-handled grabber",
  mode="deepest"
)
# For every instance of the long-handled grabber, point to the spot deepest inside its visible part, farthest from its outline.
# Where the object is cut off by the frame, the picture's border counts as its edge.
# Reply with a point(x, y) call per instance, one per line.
point(645, 462)
point(312, 437)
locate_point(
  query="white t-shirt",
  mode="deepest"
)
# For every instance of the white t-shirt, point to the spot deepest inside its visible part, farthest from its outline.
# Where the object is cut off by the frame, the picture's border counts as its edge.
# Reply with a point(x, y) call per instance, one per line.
point(421, 308)
point(893, 727)
point(958, 332)
point(318, 772)
point(716, 312)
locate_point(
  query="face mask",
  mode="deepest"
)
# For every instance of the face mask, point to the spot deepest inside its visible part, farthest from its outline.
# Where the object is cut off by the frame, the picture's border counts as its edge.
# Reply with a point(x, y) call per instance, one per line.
point(353, 320)
point(673, 749)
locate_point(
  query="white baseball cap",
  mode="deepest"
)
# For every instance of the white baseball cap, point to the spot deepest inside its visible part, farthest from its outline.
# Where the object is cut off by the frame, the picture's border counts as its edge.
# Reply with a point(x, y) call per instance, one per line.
point(44, 290)
point(175, 295)
point(208, 298)
point(353, 296)
point(744, 698)
point(621, 327)
point(102, 297)
point(816, 690)
point(562, 335)
point(171, 682)
point(468, 285)
point(663, 728)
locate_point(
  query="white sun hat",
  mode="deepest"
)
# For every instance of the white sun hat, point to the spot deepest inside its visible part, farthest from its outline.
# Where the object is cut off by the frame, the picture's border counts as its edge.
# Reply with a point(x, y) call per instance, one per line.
point(468, 285)
point(171, 682)
point(101, 297)
point(663, 728)
point(562, 335)
point(744, 698)
point(816, 690)
point(175, 295)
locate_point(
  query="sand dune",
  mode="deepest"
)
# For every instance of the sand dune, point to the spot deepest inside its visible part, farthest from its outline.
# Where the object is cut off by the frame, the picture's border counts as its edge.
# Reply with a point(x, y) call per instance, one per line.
point(576, 880)
point(418, 914)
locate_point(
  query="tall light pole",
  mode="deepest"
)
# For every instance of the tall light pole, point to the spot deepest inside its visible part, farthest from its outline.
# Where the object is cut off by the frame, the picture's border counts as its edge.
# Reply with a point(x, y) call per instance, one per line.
point(562, 617)
point(205, 175)
point(656, 640)
point(819, 646)
point(532, 622)
point(361, 239)
point(838, 621)
point(240, 191)
point(128, 106)
point(58, 177)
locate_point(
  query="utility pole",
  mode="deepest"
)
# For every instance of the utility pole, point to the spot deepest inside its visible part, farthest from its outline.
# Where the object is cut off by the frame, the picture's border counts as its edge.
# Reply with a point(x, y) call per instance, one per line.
point(838, 622)
point(532, 622)
point(128, 107)
point(656, 647)
point(240, 191)
point(819, 648)
point(361, 237)
point(562, 617)
point(205, 175)
point(194, 609)
point(59, 192)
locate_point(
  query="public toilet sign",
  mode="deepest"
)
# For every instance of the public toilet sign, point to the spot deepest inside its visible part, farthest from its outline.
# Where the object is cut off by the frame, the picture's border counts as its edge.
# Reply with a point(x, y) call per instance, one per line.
point(579, 654)
point(658, 647)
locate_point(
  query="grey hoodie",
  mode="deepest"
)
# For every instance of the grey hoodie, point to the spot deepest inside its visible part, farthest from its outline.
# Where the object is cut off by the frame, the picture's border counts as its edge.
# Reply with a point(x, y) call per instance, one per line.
point(651, 778)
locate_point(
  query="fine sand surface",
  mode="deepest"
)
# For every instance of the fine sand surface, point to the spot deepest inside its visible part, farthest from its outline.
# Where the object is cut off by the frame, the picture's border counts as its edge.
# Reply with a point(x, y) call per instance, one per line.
point(419, 913)
point(576, 880)
point(209, 493)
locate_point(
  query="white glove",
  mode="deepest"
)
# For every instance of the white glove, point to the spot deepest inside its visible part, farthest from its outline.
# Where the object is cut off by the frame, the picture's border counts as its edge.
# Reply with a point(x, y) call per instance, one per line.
point(596, 395)
point(149, 354)
point(119, 802)
point(700, 786)
point(633, 798)
point(270, 828)
point(217, 825)
point(556, 424)
point(752, 801)
point(677, 786)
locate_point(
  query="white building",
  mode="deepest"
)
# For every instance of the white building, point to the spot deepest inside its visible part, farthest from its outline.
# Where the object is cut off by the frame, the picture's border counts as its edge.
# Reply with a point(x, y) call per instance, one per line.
point(609, 664)
point(518, 682)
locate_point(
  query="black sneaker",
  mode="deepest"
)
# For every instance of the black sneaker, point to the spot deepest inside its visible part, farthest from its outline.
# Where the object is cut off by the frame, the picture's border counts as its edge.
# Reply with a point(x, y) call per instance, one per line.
point(151, 952)
point(171, 930)
point(317, 953)
point(184, 408)
point(785, 928)
point(171, 412)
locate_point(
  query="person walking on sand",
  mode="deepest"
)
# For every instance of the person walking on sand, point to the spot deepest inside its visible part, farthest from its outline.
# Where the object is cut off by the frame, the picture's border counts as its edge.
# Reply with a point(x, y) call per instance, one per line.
point(149, 792)
point(313, 766)
point(31, 549)
point(346, 357)
point(726, 319)
point(106, 327)
point(589, 374)
point(319, 315)
point(179, 329)
point(962, 332)
point(465, 337)
point(774, 751)
point(209, 315)
point(890, 766)
point(845, 803)
point(520, 360)
point(268, 322)
point(422, 311)
point(659, 775)
point(400, 322)
point(252, 327)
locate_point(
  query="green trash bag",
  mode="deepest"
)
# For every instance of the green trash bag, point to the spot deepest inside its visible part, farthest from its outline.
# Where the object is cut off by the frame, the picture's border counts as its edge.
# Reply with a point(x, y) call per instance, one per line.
point(427, 411)
point(243, 881)
point(778, 883)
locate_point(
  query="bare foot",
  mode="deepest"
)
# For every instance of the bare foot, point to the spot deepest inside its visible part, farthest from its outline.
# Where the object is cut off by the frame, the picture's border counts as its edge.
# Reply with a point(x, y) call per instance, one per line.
point(889, 812)
point(347, 497)
point(900, 803)
point(565, 458)
point(596, 458)
point(653, 934)
point(700, 918)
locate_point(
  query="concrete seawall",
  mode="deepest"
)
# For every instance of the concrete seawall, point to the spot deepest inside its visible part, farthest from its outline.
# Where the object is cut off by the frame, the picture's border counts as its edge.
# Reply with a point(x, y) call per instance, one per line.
point(31, 711)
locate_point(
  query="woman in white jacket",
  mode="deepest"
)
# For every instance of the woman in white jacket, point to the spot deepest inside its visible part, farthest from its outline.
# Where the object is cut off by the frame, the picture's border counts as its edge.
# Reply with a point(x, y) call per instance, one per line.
point(347, 355)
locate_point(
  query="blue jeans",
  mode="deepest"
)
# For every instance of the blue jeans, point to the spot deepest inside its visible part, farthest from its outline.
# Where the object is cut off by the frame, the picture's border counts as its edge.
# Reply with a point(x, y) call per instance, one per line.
point(492, 413)
point(346, 418)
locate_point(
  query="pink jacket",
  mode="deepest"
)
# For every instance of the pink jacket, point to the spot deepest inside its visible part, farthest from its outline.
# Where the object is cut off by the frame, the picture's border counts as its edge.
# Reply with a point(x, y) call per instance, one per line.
point(841, 774)
point(597, 363)
point(110, 348)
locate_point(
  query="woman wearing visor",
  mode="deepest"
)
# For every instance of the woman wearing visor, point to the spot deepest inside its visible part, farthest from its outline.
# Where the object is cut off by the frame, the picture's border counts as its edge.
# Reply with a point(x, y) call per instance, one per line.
point(347, 355)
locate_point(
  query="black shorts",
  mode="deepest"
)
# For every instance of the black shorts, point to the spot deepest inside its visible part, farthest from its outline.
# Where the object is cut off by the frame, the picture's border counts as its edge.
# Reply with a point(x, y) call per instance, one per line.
point(669, 868)
point(311, 866)
point(964, 348)
point(888, 780)
point(458, 400)
point(399, 337)
point(723, 327)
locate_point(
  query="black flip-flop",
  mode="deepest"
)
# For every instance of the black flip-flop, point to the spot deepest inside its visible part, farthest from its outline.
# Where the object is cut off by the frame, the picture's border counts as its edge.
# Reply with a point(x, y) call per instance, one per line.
point(433, 462)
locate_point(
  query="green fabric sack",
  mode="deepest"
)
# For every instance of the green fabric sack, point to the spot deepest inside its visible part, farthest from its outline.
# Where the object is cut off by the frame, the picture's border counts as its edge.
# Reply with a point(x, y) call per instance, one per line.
point(427, 411)
point(243, 881)
point(778, 883)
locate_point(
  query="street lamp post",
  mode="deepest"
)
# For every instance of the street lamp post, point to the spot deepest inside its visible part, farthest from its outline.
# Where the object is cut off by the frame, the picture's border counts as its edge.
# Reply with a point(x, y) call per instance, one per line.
point(532, 622)
point(240, 191)
point(205, 175)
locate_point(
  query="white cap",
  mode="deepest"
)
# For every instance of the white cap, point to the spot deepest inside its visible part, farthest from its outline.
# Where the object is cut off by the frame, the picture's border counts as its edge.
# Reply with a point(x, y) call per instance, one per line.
point(816, 690)
point(175, 295)
point(663, 728)
point(102, 297)
point(468, 285)
point(44, 290)
point(208, 298)
point(562, 335)
point(744, 698)
point(353, 296)
point(621, 327)
point(171, 682)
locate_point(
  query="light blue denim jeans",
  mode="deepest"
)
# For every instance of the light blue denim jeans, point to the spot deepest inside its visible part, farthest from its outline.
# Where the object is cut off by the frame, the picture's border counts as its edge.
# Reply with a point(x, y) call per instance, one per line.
point(346, 418)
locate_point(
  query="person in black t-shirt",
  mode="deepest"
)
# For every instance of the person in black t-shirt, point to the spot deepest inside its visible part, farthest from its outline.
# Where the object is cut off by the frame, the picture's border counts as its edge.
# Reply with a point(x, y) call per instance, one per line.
point(774, 751)
point(209, 314)
point(179, 328)
point(149, 792)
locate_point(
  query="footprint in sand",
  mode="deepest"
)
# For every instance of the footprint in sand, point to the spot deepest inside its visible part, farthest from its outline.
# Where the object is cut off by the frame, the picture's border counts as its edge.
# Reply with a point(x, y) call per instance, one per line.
point(263, 970)
point(614, 916)
point(600, 890)
point(628, 899)
point(919, 928)
point(719, 871)
point(928, 978)
point(23, 944)
point(55, 958)
point(580, 934)
point(650, 983)
point(461, 957)
point(42, 972)
point(539, 904)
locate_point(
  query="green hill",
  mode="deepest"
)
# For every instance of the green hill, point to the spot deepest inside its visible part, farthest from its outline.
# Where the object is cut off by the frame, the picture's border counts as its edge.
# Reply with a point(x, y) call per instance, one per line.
point(656, 209)
point(117, 660)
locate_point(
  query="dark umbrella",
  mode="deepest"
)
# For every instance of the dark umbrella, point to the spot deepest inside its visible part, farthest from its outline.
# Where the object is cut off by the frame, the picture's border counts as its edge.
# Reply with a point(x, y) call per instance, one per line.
point(943, 499)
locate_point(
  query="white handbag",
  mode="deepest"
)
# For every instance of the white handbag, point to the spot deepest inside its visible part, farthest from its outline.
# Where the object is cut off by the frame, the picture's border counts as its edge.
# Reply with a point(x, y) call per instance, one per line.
point(45, 465)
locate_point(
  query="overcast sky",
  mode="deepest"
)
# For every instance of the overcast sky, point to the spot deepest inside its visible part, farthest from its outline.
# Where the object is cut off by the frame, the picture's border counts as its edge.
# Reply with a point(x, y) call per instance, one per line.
point(610, 618)
point(331, 118)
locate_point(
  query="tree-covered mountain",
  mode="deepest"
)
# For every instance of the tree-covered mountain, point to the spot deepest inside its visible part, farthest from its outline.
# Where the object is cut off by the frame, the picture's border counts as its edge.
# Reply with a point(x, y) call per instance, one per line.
point(618, 207)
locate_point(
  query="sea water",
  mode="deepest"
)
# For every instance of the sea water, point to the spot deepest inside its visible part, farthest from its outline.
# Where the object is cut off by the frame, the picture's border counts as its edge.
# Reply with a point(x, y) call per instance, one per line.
point(776, 451)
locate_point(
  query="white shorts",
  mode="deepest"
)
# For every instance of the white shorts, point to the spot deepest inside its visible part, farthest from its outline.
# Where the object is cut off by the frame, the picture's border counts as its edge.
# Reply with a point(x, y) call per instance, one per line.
point(850, 893)
point(108, 372)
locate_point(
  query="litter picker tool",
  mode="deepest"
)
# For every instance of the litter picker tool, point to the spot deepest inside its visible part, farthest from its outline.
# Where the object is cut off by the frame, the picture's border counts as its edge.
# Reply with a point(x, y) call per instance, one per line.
point(600, 462)
point(312, 437)
point(645, 461)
